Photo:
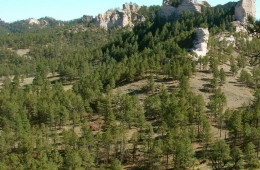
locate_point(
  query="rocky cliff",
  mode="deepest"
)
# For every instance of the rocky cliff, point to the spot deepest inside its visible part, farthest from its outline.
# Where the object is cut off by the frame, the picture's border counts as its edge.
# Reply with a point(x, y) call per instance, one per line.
point(200, 45)
point(245, 8)
point(120, 18)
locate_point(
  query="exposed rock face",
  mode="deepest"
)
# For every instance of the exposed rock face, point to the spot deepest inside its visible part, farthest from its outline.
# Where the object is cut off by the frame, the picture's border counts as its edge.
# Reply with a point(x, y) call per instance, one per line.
point(188, 5)
point(131, 8)
point(33, 21)
point(245, 8)
point(167, 11)
point(200, 45)
point(185, 5)
point(120, 18)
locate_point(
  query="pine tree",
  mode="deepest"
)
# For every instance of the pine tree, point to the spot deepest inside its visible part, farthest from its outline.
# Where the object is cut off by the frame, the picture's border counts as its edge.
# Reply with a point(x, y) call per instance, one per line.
point(234, 68)
point(250, 156)
point(72, 159)
point(222, 75)
point(236, 158)
point(183, 154)
point(220, 155)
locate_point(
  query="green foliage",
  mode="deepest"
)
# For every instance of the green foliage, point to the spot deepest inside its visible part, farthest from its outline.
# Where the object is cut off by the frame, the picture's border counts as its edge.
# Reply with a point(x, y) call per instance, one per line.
point(150, 13)
point(184, 154)
point(42, 126)
point(116, 165)
point(251, 156)
point(217, 103)
point(237, 160)
point(246, 78)
point(222, 76)
point(220, 155)
point(174, 3)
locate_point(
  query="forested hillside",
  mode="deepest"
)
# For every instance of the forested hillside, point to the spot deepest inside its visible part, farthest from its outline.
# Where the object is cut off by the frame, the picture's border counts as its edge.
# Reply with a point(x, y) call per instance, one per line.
point(137, 99)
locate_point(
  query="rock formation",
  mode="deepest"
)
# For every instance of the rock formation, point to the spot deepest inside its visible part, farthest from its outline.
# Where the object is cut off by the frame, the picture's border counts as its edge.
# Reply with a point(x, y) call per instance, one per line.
point(185, 5)
point(188, 5)
point(120, 18)
point(33, 21)
point(42, 22)
point(244, 9)
point(200, 45)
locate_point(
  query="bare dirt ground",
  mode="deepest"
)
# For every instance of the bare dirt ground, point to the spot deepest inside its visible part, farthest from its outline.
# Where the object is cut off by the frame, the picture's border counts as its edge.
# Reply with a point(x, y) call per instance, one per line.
point(22, 52)
point(237, 94)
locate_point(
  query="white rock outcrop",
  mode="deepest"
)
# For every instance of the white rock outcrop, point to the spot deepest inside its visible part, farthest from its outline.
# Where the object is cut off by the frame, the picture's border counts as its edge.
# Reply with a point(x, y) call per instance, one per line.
point(186, 5)
point(245, 8)
point(33, 21)
point(120, 18)
point(200, 45)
